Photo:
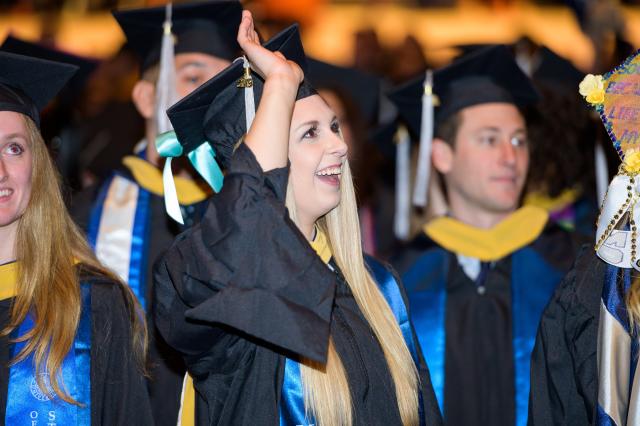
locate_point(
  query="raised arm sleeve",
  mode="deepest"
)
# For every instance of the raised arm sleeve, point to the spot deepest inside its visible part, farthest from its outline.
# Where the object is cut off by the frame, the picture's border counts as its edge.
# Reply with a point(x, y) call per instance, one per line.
point(246, 269)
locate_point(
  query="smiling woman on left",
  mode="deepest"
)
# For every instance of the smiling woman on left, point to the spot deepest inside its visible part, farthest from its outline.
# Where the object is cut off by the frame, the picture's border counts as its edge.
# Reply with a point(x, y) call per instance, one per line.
point(72, 338)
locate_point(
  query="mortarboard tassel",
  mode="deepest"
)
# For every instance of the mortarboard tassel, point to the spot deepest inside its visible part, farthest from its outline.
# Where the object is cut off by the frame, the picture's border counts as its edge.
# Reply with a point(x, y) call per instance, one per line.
point(246, 82)
point(165, 97)
point(402, 211)
point(426, 137)
point(602, 172)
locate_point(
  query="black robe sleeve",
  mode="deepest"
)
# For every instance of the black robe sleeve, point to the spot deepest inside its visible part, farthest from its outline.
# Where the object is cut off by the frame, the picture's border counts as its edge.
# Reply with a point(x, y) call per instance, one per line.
point(564, 360)
point(246, 267)
point(118, 386)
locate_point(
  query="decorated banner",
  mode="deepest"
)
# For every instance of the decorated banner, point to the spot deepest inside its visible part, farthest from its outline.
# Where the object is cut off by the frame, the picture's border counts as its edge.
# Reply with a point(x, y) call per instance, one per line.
point(616, 97)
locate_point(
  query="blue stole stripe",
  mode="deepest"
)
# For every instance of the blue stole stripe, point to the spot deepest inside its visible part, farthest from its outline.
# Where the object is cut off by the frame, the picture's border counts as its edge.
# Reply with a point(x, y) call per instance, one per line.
point(96, 214)
point(603, 419)
point(426, 282)
point(389, 288)
point(137, 272)
point(27, 404)
point(139, 248)
point(292, 400)
point(533, 282)
point(611, 297)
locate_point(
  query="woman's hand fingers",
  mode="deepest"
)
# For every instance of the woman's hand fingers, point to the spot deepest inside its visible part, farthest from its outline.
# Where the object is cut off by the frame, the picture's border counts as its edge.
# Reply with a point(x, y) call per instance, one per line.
point(247, 35)
point(264, 61)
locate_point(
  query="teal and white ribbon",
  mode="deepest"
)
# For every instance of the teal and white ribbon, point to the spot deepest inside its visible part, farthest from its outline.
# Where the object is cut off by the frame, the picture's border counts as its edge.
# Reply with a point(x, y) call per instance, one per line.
point(202, 159)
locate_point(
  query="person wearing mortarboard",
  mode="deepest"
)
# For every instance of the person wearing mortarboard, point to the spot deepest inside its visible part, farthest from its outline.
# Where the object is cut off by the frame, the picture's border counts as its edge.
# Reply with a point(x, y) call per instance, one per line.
point(479, 277)
point(61, 120)
point(279, 315)
point(72, 345)
point(584, 367)
point(180, 47)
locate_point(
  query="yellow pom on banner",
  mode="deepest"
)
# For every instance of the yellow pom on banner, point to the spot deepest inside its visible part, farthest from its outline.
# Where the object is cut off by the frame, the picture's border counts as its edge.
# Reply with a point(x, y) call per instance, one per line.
point(632, 162)
point(592, 88)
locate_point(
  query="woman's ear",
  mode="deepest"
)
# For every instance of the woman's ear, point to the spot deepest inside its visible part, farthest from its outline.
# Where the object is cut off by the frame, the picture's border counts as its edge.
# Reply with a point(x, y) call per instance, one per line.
point(442, 156)
point(144, 98)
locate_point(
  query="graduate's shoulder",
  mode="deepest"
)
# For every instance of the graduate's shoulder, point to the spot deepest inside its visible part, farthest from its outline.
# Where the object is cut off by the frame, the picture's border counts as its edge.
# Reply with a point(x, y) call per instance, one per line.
point(580, 291)
point(112, 303)
point(559, 246)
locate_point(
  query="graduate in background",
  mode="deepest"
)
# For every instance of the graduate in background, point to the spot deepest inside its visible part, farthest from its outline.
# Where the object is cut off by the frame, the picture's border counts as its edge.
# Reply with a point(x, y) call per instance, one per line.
point(281, 319)
point(73, 339)
point(584, 364)
point(125, 217)
point(479, 278)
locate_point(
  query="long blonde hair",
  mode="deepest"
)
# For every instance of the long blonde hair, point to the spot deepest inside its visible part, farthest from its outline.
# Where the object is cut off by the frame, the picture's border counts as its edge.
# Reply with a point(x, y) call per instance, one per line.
point(48, 246)
point(632, 301)
point(326, 389)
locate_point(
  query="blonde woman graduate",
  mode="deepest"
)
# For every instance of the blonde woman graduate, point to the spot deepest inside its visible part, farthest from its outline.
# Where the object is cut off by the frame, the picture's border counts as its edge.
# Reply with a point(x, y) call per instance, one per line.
point(72, 339)
point(279, 316)
point(584, 367)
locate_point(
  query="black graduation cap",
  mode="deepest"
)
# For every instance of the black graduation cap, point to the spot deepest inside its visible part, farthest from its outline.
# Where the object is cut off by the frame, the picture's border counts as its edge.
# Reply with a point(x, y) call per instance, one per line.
point(556, 71)
point(86, 66)
point(486, 75)
point(361, 88)
point(215, 111)
point(28, 84)
point(207, 27)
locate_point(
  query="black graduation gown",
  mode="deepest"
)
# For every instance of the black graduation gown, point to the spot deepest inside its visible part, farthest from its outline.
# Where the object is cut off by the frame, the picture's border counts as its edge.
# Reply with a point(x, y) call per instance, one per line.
point(564, 369)
point(166, 367)
point(242, 289)
point(479, 370)
point(118, 388)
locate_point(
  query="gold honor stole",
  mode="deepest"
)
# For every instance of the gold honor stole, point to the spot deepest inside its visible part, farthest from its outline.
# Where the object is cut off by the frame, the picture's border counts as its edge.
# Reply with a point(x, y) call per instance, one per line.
point(8, 280)
point(516, 231)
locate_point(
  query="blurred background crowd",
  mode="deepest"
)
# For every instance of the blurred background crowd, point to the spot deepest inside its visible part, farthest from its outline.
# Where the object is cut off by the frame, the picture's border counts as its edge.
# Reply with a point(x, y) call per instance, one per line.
point(377, 45)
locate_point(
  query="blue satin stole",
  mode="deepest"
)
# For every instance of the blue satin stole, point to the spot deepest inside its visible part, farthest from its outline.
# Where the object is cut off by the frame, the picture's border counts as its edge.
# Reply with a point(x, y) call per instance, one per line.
point(292, 411)
point(140, 229)
point(27, 404)
point(533, 281)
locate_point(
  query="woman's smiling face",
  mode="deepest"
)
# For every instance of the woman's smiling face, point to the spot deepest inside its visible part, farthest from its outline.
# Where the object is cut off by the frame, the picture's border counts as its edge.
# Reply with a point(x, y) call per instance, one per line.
point(317, 154)
point(15, 167)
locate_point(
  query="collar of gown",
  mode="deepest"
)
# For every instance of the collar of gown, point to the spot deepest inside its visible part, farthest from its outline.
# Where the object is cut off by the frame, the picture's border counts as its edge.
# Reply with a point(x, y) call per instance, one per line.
point(321, 245)
point(150, 178)
point(521, 228)
point(8, 280)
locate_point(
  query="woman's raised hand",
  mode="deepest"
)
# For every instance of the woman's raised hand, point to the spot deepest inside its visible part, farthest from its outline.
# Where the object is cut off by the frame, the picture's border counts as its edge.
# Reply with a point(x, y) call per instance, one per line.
point(265, 62)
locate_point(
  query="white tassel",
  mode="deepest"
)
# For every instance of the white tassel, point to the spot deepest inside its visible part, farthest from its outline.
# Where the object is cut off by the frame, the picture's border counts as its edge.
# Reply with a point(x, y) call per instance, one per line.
point(602, 173)
point(402, 212)
point(166, 84)
point(426, 137)
point(165, 97)
point(249, 100)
